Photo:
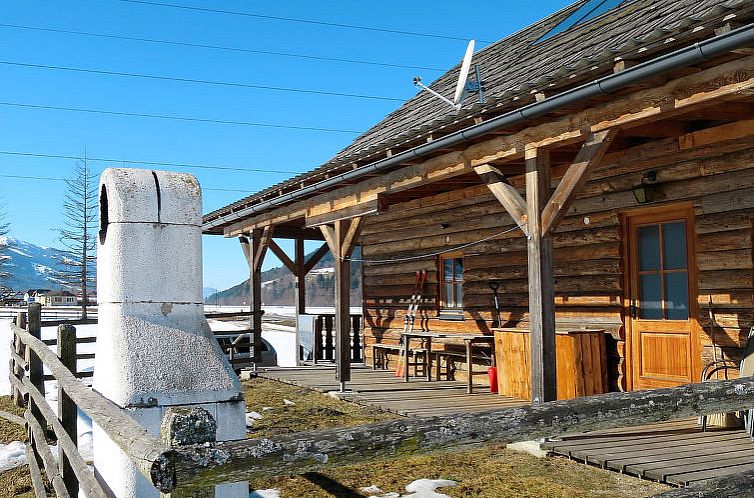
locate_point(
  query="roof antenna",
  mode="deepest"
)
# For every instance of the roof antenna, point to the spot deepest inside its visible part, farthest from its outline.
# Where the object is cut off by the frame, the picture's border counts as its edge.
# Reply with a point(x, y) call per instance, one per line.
point(464, 85)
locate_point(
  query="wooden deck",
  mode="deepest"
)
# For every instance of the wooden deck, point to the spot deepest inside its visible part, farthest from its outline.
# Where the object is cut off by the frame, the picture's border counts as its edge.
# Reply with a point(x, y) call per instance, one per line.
point(676, 453)
point(382, 389)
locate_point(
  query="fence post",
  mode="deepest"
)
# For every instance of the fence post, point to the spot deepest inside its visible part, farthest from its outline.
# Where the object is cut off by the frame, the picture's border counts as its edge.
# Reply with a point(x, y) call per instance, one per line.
point(36, 370)
point(183, 426)
point(317, 347)
point(67, 409)
point(15, 368)
point(329, 344)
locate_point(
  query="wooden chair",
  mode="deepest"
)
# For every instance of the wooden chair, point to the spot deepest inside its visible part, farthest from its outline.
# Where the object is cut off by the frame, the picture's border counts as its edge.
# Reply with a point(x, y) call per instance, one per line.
point(745, 369)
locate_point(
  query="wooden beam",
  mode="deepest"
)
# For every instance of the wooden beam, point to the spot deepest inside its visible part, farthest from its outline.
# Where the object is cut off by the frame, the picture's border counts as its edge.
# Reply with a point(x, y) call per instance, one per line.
point(329, 233)
point(288, 232)
point(351, 236)
point(541, 280)
point(358, 210)
point(316, 257)
point(506, 194)
point(261, 246)
point(722, 133)
point(282, 256)
point(590, 154)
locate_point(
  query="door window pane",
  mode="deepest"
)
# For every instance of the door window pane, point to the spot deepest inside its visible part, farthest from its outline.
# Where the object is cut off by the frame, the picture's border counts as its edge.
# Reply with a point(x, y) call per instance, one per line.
point(674, 246)
point(449, 301)
point(650, 297)
point(459, 269)
point(649, 248)
point(448, 269)
point(677, 296)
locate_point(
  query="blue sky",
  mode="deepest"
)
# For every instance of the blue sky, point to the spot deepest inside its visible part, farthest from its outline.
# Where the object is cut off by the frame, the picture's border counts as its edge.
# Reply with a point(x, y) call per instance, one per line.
point(33, 206)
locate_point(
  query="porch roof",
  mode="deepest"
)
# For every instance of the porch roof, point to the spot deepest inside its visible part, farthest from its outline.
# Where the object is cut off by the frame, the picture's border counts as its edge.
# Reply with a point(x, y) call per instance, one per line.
point(517, 71)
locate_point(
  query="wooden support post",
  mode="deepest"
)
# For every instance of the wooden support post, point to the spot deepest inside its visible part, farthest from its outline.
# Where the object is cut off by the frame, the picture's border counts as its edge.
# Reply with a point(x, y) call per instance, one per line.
point(254, 249)
point(341, 239)
point(300, 275)
point(67, 409)
point(541, 279)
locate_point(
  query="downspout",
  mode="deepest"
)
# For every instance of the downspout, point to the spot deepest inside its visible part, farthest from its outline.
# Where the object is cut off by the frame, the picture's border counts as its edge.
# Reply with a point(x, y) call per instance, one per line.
point(687, 56)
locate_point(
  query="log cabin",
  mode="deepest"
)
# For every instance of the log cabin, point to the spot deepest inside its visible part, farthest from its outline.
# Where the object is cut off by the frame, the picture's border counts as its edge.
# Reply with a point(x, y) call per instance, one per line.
point(604, 181)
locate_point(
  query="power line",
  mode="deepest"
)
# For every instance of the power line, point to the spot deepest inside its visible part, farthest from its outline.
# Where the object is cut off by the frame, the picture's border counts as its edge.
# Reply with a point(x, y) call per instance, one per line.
point(221, 47)
point(173, 118)
point(57, 179)
point(147, 163)
point(198, 81)
point(298, 20)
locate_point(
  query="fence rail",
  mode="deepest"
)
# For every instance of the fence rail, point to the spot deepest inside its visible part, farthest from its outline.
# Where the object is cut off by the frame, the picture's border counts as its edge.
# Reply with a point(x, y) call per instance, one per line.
point(190, 467)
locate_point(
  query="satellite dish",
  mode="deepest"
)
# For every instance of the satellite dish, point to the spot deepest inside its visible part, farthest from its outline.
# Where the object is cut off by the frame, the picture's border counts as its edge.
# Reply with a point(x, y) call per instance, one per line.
point(463, 85)
point(464, 76)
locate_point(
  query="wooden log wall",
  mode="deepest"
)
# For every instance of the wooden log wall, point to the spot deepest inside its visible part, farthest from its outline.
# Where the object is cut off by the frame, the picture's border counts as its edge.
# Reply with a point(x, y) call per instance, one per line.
point(718, 180)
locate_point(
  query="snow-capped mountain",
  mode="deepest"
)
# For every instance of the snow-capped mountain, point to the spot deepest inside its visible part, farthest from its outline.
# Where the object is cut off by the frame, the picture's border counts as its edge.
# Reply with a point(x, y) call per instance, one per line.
point(30, 266)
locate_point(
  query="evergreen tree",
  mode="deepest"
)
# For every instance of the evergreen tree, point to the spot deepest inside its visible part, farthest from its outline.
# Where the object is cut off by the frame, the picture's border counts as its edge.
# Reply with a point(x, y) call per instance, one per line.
point(77, 265)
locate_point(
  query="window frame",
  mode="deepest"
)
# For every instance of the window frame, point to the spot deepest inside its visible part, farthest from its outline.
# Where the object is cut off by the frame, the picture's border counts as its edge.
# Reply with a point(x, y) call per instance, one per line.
point(444, 309)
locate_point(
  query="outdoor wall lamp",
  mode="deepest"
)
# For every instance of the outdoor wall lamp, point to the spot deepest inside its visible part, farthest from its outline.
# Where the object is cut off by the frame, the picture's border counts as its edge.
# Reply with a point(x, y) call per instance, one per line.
point(645, 192)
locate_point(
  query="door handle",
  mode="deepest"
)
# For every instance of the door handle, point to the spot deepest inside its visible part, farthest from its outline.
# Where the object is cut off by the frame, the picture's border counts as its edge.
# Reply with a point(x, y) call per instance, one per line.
point(634, 311)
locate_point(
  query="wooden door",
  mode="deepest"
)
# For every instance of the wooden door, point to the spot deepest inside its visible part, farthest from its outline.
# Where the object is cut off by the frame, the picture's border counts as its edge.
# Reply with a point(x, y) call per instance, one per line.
point(662, 313)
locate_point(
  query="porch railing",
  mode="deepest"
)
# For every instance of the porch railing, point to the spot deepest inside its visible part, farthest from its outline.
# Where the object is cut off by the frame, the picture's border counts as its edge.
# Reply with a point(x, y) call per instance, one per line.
point(324, 338)
point(192, 468)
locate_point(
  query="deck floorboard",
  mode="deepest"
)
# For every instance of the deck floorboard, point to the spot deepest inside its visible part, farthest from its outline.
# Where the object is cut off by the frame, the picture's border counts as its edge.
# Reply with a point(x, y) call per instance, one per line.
point(380, 388)
point(676, 452)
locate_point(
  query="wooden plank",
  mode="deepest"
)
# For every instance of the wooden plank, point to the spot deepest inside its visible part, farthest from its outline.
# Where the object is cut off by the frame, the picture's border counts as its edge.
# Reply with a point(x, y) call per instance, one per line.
point(541, 281)
point(282, 256)
point(37, 483)
point(42, 452)
point(588, 156)
point(357, 211)
point(506, 194)
point(316, 257)
point(730, 131)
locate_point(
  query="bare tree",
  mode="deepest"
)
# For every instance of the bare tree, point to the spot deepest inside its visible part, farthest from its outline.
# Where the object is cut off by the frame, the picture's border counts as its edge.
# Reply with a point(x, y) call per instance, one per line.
point(77, 263)
point(4, 244)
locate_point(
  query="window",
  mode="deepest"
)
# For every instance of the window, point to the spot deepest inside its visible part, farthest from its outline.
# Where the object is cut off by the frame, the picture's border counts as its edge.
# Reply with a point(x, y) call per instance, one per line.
point(589, 10)
point(451, 282)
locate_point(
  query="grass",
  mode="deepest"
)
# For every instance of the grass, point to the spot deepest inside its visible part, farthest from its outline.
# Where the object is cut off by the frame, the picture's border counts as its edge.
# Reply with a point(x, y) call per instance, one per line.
point(488, 472)
point(16, 482)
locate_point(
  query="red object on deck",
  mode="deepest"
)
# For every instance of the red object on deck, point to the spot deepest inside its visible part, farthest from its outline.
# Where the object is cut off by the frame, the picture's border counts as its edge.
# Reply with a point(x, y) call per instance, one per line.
point(492, 373)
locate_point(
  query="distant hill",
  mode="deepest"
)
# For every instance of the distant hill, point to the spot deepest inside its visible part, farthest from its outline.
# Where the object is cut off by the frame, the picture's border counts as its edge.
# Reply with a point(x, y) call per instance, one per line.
point(31, 266)
point(278, 286)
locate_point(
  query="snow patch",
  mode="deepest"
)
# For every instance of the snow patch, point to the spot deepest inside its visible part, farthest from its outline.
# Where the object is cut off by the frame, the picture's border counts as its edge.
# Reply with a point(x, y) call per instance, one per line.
point(265, 493)
point(12, 455)
point(288, 402)
point(426, 488)
point(251, 417)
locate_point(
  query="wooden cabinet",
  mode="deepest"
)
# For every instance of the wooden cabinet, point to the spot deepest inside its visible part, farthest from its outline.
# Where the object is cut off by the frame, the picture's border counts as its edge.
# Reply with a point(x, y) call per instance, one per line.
point(581, 362)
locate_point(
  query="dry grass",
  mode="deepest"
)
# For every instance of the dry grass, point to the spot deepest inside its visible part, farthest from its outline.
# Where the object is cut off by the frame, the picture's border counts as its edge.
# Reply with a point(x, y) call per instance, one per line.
point(312, 410)
point(15, 482)
point(489, 472)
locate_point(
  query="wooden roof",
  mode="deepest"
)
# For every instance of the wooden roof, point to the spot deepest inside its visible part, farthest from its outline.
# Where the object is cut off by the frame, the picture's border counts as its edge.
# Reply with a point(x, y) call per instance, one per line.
point(516, 70)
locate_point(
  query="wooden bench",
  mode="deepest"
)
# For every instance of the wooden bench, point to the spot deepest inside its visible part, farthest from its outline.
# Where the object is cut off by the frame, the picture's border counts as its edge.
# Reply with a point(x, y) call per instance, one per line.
point(380, 355)
point(452, 356)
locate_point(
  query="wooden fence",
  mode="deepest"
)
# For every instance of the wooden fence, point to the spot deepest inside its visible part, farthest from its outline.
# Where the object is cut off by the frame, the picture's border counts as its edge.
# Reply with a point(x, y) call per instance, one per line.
point(190, 468)
point(324, 338)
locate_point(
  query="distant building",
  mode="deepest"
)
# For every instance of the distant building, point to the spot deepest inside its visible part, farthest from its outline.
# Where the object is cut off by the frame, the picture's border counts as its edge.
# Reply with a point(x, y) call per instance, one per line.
point(59, 298)
point(10, 297)
point(35, 295)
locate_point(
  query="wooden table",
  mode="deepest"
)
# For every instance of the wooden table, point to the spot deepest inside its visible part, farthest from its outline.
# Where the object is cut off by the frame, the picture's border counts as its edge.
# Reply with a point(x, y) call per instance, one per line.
point(580, 359)
point(469, 341)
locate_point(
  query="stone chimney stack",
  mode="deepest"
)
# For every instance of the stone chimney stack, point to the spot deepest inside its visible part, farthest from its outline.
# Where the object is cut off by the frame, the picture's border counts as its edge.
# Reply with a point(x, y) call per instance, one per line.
point(155, 349)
